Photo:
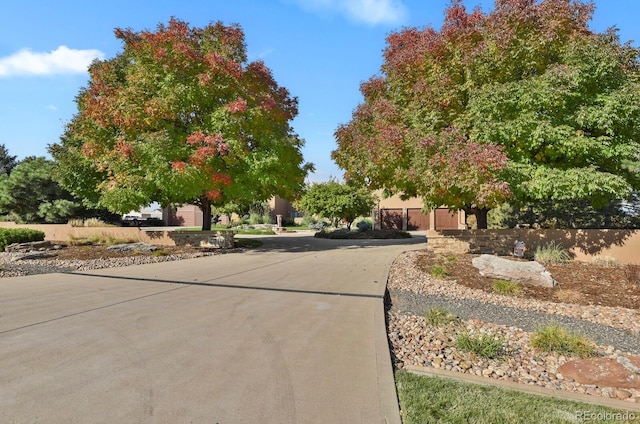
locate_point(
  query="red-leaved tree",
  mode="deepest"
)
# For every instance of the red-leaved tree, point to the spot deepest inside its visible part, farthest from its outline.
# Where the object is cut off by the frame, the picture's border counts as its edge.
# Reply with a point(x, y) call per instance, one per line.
point(181, 117)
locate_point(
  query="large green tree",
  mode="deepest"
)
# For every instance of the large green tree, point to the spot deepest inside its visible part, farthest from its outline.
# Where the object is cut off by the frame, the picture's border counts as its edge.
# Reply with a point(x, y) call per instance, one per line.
point(30, 195)
point(180, 116)
point(336, 201)
point(524, 102)
point(7, 162)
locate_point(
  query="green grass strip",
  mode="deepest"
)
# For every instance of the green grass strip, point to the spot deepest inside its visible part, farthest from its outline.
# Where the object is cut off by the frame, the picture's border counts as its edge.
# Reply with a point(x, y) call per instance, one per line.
point(426, 400)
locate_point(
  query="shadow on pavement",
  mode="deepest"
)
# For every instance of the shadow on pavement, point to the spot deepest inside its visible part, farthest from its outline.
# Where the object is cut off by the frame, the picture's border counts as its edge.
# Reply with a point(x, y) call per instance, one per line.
point(306, 242)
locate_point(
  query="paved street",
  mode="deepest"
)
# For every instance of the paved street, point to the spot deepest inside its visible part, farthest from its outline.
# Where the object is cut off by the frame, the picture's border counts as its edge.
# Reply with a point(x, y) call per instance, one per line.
point(292, 332)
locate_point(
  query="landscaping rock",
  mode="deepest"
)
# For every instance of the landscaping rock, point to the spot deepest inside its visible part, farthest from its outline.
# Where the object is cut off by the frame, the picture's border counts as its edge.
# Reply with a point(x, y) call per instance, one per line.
point(28, 246)
point(518, 271)
point(622, 372)
point(133, 247)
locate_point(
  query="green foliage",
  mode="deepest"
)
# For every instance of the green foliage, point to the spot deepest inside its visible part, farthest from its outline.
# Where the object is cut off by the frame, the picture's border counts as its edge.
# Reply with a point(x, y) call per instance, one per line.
point(7, 162)
point(336, 201)
point(160, 252)
point(553, 338)
point(522, 104)
point(181, 116)
point(442, 400)
point(18, 235)
point(551, 254)
point(29, 195)
point(438, 271)
point(439, 316)
point(567, 214)
point(485, 345)
point(508, 288)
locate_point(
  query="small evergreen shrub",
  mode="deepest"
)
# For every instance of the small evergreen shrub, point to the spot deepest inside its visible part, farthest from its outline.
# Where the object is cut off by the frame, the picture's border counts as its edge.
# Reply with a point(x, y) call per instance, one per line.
point(364, 225)
point(18, 235)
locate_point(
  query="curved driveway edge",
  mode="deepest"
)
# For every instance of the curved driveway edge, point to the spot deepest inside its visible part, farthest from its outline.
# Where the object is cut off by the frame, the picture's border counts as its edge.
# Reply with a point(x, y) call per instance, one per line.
point(293, 332)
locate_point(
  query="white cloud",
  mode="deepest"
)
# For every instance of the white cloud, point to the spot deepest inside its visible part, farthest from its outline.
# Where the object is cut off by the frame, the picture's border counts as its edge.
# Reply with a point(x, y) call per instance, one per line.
point(52, 107)
point(62, 60)
point(371, 12)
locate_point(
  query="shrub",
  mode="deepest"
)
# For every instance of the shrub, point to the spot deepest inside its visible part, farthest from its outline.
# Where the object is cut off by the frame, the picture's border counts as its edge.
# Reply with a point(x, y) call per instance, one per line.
point(438, 271)
point(18, 235)
point(555, 339)
point(551, 254)
point(452, 259)
point(508, 288)
point(364, 225)
point(317, 225)
point(371, 234)
point(439, 316)
point(160, 252)
point(254, 219)
point(76, 223)
point(484, 345)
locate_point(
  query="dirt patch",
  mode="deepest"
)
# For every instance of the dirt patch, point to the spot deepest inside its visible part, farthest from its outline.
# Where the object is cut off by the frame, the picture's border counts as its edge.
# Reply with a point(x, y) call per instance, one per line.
point(578, 282)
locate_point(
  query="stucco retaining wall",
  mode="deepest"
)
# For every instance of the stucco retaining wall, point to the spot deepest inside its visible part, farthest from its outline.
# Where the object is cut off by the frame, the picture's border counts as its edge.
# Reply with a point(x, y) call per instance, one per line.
point(584, 245)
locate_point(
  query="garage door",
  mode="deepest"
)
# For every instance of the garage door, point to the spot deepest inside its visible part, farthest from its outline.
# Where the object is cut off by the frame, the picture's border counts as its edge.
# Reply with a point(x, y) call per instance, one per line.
point(391, 219)
point(416, 220)
point(446, 220)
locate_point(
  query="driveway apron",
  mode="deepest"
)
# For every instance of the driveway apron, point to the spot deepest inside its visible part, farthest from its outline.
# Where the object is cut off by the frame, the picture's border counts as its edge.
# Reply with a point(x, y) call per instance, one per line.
point(292, 332)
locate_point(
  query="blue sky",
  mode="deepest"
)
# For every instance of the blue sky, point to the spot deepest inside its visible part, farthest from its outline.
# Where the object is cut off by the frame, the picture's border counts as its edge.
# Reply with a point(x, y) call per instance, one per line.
point(321, 50)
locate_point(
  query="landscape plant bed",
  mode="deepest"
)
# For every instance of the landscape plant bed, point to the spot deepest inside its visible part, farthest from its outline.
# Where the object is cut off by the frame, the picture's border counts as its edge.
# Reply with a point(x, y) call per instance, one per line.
point(578, 282)
point(421, 338)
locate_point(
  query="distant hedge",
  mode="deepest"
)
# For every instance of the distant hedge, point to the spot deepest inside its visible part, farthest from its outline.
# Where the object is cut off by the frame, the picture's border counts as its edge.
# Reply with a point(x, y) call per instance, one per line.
point(18, 235)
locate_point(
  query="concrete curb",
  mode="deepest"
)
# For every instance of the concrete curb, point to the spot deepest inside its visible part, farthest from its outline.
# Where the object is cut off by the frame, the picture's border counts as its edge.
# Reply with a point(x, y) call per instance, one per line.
point(536, 390)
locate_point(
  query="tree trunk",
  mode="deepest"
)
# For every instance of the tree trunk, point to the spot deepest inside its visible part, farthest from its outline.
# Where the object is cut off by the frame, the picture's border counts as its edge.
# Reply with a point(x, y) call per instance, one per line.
point(205, 206)
point(481, 218)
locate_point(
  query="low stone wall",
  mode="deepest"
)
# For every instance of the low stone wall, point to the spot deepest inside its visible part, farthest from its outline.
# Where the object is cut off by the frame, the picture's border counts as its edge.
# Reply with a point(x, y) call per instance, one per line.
point(495, 244)
point(222, 239)
point(584, 245)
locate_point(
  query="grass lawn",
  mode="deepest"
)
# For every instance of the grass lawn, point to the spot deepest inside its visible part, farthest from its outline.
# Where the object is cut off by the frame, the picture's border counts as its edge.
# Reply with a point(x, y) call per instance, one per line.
point(437, 400)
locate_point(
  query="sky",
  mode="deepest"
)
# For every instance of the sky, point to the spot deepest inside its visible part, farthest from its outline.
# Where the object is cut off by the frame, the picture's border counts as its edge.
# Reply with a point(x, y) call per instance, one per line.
point(320, 50)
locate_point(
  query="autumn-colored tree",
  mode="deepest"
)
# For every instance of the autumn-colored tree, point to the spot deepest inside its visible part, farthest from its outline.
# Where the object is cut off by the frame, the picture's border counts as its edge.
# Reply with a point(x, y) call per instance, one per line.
point(181, 117)
point(522, 103)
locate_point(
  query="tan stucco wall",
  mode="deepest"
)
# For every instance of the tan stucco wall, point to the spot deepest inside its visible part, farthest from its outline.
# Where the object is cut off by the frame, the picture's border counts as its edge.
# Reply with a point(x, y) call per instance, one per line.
point(65, 233)
point(585, 245)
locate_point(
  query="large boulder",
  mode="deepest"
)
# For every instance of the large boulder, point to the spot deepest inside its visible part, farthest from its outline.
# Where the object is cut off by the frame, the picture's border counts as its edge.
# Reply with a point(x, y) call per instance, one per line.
point(621, 372)
point(518, 271)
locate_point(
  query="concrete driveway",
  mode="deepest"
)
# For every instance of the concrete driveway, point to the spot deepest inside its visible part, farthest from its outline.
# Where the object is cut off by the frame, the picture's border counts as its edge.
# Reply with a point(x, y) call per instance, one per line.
point(292, 332)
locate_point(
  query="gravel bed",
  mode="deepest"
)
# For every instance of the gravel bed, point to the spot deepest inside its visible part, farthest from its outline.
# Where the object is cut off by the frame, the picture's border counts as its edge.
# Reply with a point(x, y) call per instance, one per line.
point(404, 275)
point(528, 320)
point(40, 266)
point(413, 341)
